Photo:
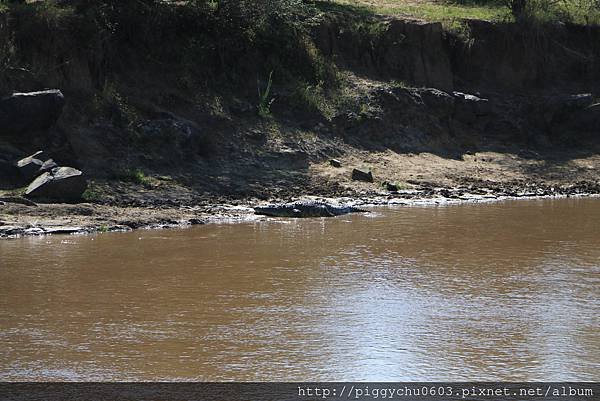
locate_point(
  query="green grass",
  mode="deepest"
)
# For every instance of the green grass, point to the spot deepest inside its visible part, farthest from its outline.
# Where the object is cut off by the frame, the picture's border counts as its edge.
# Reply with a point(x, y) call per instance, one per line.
point(92, 193)
point(134, 175)
point(584, 12)
point(429, 10)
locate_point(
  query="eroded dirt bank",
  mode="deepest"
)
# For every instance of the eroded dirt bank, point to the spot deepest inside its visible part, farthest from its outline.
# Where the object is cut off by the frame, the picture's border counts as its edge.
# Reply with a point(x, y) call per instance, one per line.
point(432, 114)
point(429, 179)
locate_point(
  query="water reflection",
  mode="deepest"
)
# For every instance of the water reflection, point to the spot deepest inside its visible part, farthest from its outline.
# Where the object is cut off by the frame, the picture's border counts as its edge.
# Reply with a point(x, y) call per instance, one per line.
point(474, 292)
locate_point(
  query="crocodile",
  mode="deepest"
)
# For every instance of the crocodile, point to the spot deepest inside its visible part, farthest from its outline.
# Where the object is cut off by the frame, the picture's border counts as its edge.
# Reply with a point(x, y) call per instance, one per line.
point(305, 209)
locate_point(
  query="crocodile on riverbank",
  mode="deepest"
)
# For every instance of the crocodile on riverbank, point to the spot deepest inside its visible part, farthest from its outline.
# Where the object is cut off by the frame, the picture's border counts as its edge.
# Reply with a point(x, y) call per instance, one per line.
point(305, 209)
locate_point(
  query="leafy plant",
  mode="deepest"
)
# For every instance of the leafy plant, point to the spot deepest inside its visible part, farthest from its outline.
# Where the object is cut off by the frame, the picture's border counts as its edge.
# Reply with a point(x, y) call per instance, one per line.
point(585, 12)
point(135, 175)
point(264, 99)
point(91, 194)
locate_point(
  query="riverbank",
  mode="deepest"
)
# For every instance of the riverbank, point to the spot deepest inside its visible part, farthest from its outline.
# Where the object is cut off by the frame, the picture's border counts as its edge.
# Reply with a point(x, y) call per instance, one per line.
point(173, 129)
point(151, 210)
point(56, 219)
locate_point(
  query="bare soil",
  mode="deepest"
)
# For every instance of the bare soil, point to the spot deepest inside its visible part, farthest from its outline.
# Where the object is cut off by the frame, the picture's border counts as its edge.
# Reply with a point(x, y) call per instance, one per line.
point(420, 177)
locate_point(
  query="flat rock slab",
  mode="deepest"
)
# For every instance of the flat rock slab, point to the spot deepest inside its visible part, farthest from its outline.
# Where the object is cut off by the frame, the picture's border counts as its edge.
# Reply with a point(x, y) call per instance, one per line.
point(29, 167)
point(19, 231)
point(18, 200)
point(63, 230)
point(62, 184)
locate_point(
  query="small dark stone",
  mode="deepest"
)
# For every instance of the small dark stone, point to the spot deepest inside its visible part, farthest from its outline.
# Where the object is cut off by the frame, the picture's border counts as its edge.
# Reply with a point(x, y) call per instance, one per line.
point(390, 187)
point(335, 163)
point(47, 166)
point(361, 175)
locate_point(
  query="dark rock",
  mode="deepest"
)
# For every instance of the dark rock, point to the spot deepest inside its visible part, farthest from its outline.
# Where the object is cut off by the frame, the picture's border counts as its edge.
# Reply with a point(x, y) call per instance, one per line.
point(361, 175)
point(335, 163)
point(439, 101)
point(134, 225)
point(467, 108)
point(345, 121)
point(578, 102)
point(9, 174)
point(390, 187)
point(581, 125)
point(29, 167)
point(33, 166)
point(23, 112)
point(47, 166)
point(10, 231)
point(65, 184)
point(588, 119)
point(116, 227)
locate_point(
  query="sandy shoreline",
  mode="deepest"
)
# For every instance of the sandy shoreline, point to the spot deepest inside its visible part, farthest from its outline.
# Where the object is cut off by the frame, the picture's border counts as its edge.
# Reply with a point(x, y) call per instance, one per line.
point(19, 220)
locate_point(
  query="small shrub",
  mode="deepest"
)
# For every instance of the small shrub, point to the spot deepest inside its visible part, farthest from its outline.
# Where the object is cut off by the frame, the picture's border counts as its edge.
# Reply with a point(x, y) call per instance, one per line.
point(264, 99)
point(461, 30)
point(135, 175)
point(110, 103)
point(586, 12)
point(312, 98)
point(91, 194)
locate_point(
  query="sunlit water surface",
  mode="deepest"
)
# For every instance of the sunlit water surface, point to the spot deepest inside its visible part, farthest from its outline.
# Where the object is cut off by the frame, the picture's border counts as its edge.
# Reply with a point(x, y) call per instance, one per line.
point(499, 291)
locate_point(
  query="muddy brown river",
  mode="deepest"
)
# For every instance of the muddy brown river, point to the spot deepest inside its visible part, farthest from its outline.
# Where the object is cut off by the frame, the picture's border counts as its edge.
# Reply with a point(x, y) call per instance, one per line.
point(499, 291)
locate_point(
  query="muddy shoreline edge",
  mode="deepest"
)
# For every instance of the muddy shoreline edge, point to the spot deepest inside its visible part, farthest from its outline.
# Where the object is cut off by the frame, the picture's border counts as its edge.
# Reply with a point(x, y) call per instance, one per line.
point(19, 220)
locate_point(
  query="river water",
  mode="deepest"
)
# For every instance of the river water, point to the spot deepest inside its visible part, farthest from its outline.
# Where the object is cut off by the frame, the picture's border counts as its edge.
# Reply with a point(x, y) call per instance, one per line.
point(499, 291)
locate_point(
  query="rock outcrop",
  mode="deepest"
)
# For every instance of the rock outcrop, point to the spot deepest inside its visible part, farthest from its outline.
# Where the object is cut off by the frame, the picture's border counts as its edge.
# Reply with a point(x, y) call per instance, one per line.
point(29, 112)
point(61, 184)
point(31, 166)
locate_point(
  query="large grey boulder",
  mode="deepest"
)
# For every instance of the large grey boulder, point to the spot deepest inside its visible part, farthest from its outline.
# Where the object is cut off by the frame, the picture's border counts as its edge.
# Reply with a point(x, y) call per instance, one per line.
point(62, 184)
point(33, 111)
